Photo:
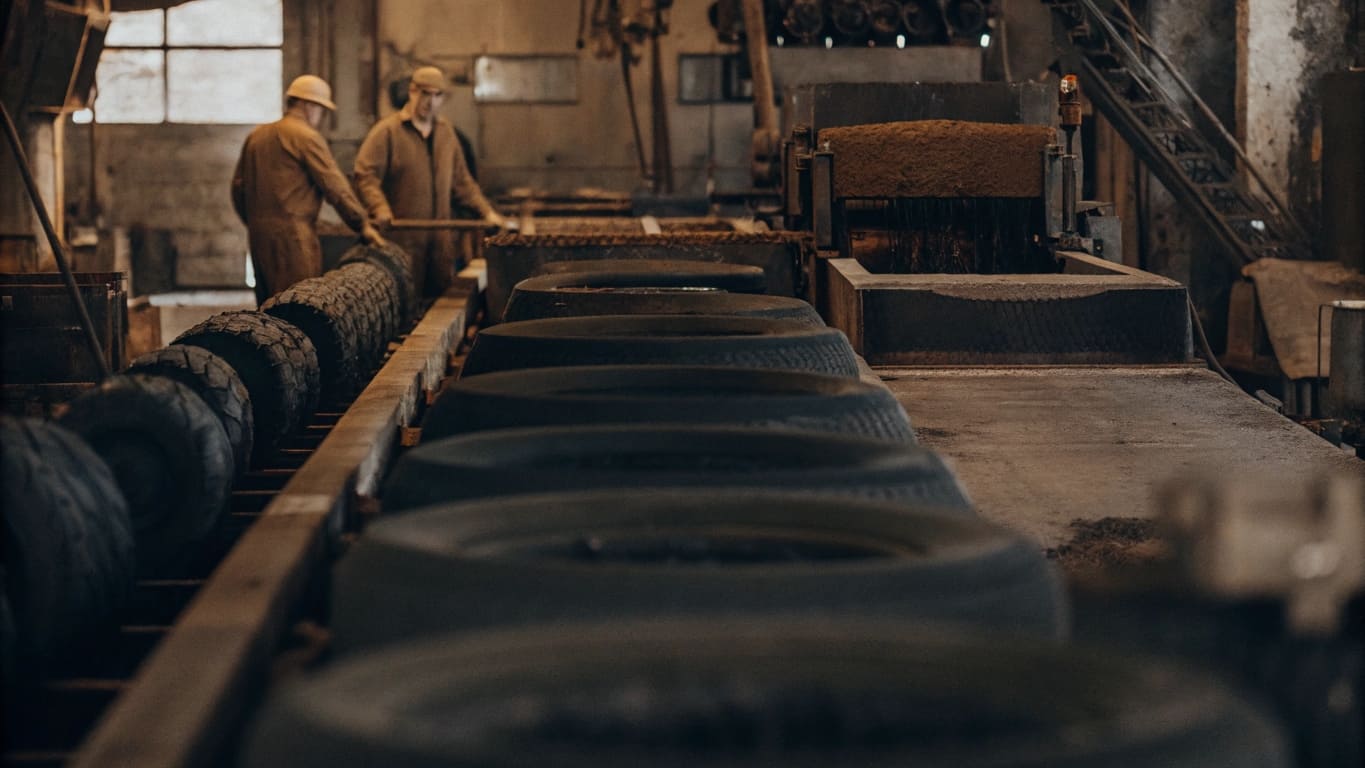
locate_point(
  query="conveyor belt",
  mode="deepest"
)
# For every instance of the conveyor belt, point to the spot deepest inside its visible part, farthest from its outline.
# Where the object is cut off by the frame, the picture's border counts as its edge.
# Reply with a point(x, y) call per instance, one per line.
point(175, 684)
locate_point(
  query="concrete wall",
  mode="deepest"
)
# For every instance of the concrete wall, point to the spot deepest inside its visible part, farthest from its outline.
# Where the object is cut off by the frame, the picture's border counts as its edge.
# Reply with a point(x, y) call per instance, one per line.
point(171, 177)
point(561, 147)
point(1287, 46)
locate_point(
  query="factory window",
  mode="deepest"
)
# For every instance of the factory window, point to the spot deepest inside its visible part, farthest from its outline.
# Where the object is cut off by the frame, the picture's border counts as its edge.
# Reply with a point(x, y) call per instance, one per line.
point(205, 61)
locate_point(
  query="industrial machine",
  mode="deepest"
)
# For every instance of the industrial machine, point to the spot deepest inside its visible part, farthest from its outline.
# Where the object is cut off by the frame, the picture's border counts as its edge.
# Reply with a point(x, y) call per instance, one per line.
point(967, 196)
point(947, 229)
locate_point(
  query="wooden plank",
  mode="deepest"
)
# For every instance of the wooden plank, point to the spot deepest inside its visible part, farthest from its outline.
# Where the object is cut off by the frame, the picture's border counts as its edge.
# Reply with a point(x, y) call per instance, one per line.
point(193, 693)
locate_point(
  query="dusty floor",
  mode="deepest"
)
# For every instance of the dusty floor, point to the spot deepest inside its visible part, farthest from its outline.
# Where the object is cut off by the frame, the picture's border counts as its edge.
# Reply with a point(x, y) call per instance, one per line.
point(1038, 448)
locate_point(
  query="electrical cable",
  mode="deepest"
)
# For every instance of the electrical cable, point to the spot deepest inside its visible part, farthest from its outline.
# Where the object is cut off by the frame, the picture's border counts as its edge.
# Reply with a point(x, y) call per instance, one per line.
point(58, 251)
point(1204, 348)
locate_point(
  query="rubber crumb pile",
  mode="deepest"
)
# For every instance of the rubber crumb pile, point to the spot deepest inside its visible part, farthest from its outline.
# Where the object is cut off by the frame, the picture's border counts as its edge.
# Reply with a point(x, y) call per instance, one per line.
point(1109, 542)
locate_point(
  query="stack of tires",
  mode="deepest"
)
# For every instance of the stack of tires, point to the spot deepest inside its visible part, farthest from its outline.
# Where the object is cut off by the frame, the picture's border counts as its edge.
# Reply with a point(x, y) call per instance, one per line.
point(139, 469)
point(661, 519)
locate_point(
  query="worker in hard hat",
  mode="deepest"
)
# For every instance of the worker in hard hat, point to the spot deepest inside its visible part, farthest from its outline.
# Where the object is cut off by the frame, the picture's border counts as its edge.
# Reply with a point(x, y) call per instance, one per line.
point(411, 167)
point(285, 172)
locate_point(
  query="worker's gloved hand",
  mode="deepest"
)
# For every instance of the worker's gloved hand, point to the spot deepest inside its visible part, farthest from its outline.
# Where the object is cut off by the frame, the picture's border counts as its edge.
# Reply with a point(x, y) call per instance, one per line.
point(495, 219)
point(372, 236)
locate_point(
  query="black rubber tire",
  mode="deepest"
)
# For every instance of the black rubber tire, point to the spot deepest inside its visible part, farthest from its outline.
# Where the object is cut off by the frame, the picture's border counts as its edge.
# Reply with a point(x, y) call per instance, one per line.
point(380, 295)
point(276, 369)
point(364, 304)
point(398, 265)
point(655, 273)
point(799, 692)
point(324, 313)
point(600, 555)
point(213, 380)
point(69, 561)
point(550, 459)
point(312, 371)
point(619, 394)
point(169, 455)
point(743, 342)
point(546, 296)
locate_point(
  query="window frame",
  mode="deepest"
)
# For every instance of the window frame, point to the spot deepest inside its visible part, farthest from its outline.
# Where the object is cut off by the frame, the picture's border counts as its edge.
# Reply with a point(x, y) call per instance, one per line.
point(165, 49)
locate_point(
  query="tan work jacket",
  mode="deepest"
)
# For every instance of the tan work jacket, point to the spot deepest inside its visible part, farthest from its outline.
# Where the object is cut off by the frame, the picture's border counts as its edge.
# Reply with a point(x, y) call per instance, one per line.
point(401, 175)
point(285, 171)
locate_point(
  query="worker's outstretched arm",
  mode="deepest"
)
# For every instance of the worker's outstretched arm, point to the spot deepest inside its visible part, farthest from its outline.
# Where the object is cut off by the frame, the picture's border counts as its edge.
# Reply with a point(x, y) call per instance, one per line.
point(322, 168)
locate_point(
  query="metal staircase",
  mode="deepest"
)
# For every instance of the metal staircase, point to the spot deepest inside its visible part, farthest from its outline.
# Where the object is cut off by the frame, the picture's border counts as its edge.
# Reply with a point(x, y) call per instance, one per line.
point(1199, 163)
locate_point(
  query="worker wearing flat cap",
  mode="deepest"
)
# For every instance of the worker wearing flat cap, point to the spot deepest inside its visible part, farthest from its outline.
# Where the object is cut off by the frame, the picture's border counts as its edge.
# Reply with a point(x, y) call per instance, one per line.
point(285, 172)
point(411, 167)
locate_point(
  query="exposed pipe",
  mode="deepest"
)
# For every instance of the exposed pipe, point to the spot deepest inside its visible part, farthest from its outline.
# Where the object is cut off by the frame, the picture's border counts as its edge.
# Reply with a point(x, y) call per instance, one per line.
point(760, 67)
point(58, 250)
point(765, 144)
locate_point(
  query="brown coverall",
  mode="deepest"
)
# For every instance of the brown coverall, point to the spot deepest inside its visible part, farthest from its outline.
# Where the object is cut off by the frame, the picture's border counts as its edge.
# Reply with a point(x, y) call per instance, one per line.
point(285, 171)
point(401, 175)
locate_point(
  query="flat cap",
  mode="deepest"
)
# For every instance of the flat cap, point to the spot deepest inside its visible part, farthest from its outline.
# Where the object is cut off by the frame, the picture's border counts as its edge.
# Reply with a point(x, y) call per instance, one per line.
point(429, 78)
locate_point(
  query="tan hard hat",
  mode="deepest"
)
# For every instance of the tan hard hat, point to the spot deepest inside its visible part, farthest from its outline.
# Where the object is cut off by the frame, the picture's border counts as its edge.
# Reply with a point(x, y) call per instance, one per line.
point(311, 88)
point(429, 78)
